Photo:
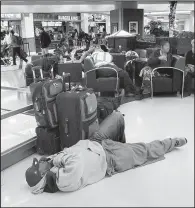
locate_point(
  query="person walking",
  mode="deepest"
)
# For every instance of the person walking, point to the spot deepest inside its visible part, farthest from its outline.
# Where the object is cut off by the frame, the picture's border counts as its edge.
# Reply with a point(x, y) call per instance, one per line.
point(45, 41)
point(16, 43)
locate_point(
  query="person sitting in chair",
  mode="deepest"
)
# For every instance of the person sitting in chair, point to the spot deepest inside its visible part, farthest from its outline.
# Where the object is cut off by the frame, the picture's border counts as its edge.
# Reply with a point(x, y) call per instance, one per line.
point(125, 81)
point(89, 161)
point(189, 69)
point(159, 58)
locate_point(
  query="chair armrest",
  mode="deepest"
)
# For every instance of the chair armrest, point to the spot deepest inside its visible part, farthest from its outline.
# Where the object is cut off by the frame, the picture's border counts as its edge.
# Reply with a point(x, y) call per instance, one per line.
point(93, 80)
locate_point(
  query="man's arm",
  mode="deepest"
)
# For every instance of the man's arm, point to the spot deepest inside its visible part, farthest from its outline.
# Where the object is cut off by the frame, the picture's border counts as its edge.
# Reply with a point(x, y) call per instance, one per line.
point(87, 53)
point(51, 186)
point(69, 176)
point(188, 58)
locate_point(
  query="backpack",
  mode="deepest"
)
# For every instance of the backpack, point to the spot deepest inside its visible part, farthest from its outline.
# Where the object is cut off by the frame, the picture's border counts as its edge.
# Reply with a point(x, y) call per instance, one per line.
point(19, 40)
point(106, 105)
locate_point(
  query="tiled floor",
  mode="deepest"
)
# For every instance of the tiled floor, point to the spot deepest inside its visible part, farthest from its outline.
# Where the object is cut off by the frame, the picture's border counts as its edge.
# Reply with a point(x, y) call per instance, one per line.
point(16, 130)
point(13, 78)
point(169, 182)
point(15, 99)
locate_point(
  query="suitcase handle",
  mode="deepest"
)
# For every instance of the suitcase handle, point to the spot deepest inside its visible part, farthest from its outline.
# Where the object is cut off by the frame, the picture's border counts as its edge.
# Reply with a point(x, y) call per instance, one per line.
point(52, 74)
point(64, 75)
point(34, 75)
point(66, 126)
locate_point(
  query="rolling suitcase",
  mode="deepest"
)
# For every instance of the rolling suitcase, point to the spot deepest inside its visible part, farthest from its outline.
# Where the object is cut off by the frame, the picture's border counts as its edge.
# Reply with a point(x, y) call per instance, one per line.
point(77, 114)
point(44, 94)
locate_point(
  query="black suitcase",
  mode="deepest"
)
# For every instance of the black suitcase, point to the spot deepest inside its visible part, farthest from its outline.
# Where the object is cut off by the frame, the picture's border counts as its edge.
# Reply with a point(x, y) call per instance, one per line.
point(77, 114)
point(106, 105)
point(44, 94)
point(48, 141)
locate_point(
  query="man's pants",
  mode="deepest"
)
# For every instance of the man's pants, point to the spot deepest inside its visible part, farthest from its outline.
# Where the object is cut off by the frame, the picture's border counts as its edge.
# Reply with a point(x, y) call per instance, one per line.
point(44, 51)
point(188, 81)
point(125, 82)
point(125, 156)
point(16, 51)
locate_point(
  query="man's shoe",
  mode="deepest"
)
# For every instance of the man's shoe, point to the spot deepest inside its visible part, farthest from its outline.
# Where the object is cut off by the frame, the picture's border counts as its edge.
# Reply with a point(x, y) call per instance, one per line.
point(180, 141)
point(139, 97)
point(129, 94)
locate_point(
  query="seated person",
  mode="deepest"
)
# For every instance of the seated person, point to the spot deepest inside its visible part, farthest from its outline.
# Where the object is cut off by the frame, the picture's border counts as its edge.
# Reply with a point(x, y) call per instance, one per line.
point(159, 58)
point(89, 161)
point(125, 81)
point(189, 71)
point(63, 47)
point(133, 66)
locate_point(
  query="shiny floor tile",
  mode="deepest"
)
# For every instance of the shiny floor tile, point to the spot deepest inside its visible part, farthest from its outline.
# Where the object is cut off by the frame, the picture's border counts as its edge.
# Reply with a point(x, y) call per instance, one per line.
point(15, 99)
point(4, 112)
point(16, 130)
point(13, 78)
point(14, 67)
point(168, 183)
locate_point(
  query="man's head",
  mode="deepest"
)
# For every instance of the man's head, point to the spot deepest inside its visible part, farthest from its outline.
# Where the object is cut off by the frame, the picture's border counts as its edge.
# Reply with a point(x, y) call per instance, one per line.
point(41, 29)
point(37, 171)
point(165, 46)
point(192, 42)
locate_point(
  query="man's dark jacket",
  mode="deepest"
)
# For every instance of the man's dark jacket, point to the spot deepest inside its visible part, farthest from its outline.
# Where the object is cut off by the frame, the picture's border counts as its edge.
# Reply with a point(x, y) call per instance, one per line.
point(45, 39)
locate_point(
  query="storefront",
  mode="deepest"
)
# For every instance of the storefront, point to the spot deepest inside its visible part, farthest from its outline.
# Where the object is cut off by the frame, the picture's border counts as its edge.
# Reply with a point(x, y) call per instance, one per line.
point(11, 22)
point(57, 25)
point(97, 22)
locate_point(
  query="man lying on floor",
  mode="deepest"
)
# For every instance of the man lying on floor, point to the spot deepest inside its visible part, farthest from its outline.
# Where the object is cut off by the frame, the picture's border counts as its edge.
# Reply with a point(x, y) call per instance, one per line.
point(89, 161)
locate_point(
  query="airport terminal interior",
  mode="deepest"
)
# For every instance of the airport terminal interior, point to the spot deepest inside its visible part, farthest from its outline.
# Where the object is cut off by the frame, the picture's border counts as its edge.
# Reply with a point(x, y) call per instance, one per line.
point(150, 47)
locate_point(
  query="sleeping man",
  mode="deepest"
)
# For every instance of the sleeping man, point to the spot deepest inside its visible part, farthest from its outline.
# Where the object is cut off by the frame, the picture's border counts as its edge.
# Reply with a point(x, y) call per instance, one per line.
point(89, 161)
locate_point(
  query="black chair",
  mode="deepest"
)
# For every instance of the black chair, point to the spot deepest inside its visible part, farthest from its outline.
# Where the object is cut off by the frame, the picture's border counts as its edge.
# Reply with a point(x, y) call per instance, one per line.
point(75, 70)
point(171, 79)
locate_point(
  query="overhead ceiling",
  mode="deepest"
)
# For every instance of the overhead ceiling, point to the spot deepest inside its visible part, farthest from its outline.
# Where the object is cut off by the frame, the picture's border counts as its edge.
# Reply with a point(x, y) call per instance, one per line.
point(18, 6)
point(63, 2)
point(155, 7)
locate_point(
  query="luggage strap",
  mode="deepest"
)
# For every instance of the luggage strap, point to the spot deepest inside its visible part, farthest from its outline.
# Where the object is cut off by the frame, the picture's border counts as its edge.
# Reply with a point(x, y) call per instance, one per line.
point(86, 125)
point(86, 107)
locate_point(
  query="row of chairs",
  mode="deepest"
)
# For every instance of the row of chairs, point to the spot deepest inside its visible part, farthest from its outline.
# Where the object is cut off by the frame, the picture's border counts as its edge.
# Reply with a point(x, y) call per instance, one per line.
point(173, 83)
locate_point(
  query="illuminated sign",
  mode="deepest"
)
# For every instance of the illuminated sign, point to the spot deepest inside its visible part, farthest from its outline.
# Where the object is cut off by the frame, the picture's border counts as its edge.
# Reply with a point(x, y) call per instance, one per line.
point(68, 18)
point(10, 16)
point(51, 24)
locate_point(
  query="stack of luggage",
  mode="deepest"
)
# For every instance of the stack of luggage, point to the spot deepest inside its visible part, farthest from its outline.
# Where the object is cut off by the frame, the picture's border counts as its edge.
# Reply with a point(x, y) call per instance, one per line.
point(65, 116)
point(45, 63)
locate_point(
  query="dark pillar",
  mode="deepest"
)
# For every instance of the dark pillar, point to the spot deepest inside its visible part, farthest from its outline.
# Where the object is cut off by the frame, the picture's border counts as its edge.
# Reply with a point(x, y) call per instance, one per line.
point(124, 13)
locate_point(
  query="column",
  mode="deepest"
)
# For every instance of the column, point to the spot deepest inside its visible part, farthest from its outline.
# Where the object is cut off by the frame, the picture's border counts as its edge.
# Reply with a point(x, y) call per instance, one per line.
point(126, 12)
point(191, 21)
point(126, 5)
point(108, 24)
point(84, 22)
point(28, 36)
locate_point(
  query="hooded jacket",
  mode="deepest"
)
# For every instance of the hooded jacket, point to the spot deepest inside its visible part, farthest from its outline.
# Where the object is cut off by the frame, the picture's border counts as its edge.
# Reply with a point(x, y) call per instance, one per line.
point(80, 165)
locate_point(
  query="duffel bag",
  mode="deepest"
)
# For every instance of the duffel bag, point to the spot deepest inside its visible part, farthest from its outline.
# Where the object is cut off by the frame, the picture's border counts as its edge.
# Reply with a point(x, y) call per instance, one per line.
point(106, 105)
point(48, 141)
